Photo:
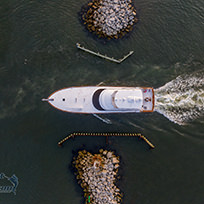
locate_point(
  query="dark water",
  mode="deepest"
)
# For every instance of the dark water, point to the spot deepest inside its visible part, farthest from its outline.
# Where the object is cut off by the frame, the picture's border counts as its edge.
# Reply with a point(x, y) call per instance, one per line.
point(38, 56)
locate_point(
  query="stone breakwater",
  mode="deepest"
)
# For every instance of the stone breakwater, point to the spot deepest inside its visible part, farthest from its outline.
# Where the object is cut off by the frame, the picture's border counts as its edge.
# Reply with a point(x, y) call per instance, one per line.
point(97, 175)
point(109, 18)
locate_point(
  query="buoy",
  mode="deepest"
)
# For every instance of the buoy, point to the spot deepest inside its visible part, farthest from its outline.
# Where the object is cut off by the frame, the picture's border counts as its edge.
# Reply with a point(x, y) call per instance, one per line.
point(106, 134)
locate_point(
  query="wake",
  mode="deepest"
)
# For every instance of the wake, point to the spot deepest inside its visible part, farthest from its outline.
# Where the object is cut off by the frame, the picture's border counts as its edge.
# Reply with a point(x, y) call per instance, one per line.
point(182, 99)
point(105, 120)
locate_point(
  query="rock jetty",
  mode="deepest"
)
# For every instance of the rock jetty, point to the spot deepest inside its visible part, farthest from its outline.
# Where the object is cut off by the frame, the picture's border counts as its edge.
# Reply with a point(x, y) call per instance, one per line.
point(96, 173)
point(109, 18)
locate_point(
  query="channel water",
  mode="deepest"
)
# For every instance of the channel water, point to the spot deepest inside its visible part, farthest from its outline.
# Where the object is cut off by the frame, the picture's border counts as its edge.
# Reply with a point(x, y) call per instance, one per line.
point(38, 56)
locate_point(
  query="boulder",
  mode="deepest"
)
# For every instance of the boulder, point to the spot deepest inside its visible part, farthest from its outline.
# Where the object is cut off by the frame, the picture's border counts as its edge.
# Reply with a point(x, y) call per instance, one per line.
point(115, 160)
point(109, 155)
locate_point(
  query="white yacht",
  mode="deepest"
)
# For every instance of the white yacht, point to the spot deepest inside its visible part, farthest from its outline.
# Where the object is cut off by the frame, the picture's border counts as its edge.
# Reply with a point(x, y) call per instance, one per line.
point(103, 99)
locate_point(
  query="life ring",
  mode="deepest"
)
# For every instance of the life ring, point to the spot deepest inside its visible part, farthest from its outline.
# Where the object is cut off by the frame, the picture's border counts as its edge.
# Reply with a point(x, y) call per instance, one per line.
point(147, 99)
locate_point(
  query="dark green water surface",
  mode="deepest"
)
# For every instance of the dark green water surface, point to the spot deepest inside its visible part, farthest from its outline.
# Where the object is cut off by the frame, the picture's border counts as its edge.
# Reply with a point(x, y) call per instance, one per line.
point(38, 56)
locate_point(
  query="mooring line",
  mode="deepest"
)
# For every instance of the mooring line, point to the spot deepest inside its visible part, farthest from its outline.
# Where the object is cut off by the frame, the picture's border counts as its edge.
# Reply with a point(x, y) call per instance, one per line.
point(106, 134)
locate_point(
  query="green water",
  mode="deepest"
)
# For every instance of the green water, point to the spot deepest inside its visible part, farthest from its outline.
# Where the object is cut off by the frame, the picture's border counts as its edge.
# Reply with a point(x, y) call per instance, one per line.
point(38, 56)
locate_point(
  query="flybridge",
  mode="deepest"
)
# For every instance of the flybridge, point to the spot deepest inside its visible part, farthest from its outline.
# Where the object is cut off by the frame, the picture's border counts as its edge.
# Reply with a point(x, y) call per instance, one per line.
point(94, 99)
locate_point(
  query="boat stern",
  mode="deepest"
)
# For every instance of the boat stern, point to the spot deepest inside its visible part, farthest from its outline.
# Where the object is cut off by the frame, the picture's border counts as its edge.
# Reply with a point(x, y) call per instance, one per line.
point(148, 99)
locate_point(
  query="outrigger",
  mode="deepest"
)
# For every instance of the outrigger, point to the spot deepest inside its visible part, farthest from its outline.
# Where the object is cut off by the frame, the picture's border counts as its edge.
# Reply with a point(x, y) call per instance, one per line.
point(103, 99)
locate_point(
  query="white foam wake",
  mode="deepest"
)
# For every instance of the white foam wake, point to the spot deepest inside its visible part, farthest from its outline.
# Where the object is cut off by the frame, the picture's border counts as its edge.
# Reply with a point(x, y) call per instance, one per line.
point(105, 120)
point(181, 100)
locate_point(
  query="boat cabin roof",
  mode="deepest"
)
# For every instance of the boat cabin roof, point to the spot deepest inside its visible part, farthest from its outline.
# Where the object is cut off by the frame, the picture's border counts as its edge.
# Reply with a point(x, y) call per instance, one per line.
point(128, 99)
point(121, 99)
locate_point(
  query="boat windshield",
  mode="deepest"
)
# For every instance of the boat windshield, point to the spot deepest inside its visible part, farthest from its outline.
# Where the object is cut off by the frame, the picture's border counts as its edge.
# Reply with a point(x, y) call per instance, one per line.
point(95, 99)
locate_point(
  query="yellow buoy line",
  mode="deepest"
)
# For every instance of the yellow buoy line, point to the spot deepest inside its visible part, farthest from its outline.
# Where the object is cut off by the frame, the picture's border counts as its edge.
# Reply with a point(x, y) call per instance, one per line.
point(106, 134)
point(104, 56)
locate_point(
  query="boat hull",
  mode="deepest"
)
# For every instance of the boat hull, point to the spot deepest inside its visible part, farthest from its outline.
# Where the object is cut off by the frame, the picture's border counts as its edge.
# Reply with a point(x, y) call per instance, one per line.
point(87, 99)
